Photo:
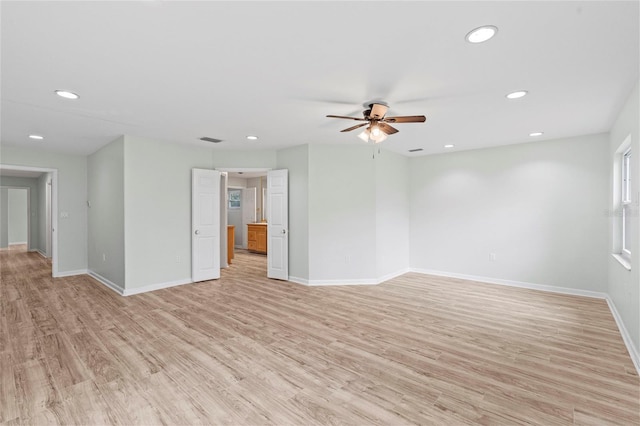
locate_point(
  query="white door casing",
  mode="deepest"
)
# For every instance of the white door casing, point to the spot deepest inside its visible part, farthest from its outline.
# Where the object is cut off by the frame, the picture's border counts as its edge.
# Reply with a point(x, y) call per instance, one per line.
point(224, 203)
point(48, 209)
point(278, 224)
point(205, 225)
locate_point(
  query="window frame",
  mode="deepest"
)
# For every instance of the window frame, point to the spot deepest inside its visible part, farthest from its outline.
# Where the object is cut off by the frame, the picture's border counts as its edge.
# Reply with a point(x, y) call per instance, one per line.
point(230, 201)
point(625, 202)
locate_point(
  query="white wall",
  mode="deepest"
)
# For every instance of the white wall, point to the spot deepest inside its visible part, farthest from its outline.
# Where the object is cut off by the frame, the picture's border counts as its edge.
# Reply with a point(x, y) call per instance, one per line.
point(392, 214)
point(540, 207)
point(342, 214)
point(18, 216)
point(158, 210)
point(237, 182)
point(158, 205)
point(624, 285)
point(106, 227)
point(72, 197)
point(296, 161)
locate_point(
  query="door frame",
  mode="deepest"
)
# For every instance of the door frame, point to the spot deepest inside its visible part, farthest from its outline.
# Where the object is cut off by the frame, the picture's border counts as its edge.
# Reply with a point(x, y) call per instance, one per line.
point(53, 207)
point(264, 170)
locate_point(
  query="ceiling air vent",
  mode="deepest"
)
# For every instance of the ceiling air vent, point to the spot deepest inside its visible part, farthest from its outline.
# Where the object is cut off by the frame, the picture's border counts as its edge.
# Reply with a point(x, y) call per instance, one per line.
point(416, 150)
point(213, 140)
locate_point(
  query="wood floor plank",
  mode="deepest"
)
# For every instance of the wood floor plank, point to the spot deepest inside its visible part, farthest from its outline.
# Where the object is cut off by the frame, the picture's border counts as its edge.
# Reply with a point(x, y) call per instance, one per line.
point(8, 396)
point(246, 350)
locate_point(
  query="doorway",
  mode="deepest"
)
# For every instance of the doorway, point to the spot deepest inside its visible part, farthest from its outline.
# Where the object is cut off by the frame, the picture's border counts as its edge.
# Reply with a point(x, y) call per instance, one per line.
point(263, 228)
point(15, 218)
point(41, 185)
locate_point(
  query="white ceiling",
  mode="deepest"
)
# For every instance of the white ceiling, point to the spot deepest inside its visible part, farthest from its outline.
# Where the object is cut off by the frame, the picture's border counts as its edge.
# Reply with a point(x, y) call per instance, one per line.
point(182, 70)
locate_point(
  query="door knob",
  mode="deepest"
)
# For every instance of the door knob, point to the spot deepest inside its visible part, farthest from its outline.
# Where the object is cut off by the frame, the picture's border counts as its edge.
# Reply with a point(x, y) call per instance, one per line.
point(197, 231)
point(284, 231)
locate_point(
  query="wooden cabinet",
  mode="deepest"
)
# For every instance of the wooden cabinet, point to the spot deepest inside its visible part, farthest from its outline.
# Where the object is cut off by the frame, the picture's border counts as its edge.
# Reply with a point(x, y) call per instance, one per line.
point(257, 237)
point(231, 238)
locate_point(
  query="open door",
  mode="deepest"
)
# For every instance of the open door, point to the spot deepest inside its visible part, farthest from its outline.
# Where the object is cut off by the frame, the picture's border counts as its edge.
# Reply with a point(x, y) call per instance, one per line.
point(205, 224)
point(278, 224)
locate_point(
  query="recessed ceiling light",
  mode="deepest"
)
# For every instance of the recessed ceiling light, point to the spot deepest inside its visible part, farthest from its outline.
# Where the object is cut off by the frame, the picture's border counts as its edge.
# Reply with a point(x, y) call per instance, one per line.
point(536, 134)
point(449, 146)
point(36, 137)
point(517, 94)
point(481, 34)
point(252, 138)
point(66, 94)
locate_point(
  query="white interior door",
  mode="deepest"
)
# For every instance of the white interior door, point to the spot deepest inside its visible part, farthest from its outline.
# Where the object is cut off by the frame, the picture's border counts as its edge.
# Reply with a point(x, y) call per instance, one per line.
point(248, 204)
point(278, 224)
point(205, 225)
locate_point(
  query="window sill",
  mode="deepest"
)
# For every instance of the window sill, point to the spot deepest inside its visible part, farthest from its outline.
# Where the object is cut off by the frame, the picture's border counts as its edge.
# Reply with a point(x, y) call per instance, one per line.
point(624, 262)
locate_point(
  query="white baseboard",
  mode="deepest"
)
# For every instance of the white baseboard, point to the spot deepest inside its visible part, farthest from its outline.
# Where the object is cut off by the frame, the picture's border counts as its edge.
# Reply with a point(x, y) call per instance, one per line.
point(393, 275)
point(510, 283)
point(131, 291)
point(41, 253)
point(18, 243)
point(153, 287)
point(361, 281)
point(297, 280)
point(633, 353)
point(108, 283)
point(62, 274)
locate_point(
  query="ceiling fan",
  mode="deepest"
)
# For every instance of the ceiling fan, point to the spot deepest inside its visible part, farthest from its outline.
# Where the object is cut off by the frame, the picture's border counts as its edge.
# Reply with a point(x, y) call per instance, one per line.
point(378, 128)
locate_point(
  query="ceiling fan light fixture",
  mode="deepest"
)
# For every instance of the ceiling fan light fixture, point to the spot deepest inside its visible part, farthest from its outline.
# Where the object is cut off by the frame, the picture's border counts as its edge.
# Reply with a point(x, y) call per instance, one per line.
point(66, 94)
point(377, 123)
point(364, 135)
point(481, 34)
point(381, 137)
point(517, 94)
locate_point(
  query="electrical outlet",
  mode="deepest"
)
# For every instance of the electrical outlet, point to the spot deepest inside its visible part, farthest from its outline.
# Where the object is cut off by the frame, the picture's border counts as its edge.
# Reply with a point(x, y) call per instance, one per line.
point(492, 257)
point(104, 257)
point(347, 259)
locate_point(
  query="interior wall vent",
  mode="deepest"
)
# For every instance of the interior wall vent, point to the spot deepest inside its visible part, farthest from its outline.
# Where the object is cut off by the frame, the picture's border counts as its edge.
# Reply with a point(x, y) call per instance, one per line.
point(416, 150)
point(213, 140)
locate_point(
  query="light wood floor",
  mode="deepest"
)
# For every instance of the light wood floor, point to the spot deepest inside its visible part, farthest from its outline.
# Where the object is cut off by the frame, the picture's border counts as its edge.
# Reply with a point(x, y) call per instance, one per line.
point(245, 350)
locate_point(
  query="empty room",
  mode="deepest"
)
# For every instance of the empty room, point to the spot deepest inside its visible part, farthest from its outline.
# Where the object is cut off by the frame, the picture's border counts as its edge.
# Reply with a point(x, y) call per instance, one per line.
point(311, 213)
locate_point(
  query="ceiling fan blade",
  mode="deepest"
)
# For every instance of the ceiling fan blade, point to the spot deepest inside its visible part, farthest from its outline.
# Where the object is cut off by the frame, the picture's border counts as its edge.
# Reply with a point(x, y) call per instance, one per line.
point(354, 127)
point(406, 119)
point(387, 129)
point(348, 118)
point(378, 111)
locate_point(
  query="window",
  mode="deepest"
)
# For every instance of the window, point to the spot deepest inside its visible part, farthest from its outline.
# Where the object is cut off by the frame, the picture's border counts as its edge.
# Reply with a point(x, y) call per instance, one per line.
point(625, 204)
point(234, 198)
